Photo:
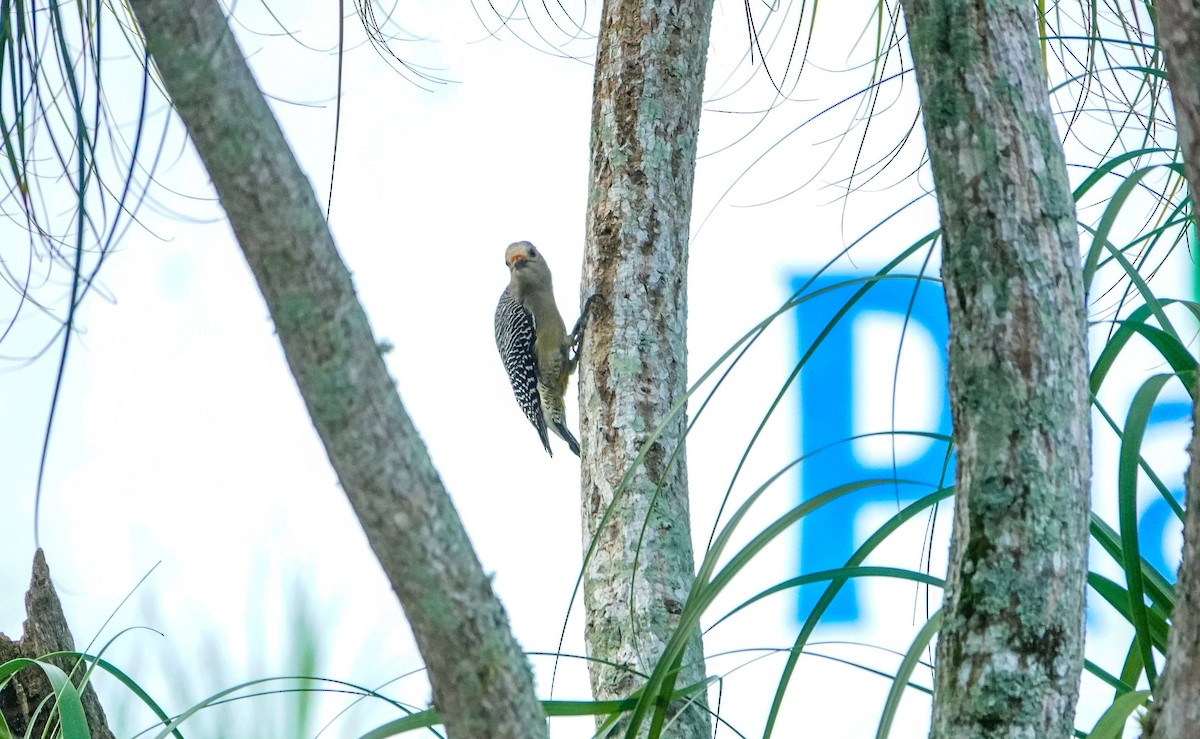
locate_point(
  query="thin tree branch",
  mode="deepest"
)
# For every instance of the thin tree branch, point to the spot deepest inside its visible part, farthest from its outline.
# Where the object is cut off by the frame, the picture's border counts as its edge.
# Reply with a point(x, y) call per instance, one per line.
point(482, 683)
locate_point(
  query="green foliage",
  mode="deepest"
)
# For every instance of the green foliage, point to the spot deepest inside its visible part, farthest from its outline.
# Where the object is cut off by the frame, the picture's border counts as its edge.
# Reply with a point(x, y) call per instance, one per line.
point(73, 176)
point(65, 711)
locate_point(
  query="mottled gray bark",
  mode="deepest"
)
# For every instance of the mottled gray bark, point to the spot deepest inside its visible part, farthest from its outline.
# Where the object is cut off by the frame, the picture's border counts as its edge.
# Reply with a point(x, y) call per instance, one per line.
point(23, 700)
point(1010, 652)
point(1177, 695)
point(645, 117)
point(1176, 710)
point(482, 684)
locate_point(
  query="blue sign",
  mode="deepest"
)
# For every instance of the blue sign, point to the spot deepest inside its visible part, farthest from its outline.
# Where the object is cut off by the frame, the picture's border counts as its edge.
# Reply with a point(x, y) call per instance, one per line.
point(1157, 517)
point(846, 391)
point(879, 373)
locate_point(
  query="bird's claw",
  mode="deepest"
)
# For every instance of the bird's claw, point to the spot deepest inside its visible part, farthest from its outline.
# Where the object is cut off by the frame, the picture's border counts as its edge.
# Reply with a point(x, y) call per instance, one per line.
point(577, 332)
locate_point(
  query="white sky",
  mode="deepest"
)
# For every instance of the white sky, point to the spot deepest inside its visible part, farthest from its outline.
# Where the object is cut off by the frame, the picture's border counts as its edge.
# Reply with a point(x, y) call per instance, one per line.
point(180, 440)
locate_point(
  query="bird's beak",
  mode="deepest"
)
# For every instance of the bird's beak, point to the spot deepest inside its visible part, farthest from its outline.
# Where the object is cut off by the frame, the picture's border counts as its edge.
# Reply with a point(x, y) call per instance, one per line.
point(518, 261)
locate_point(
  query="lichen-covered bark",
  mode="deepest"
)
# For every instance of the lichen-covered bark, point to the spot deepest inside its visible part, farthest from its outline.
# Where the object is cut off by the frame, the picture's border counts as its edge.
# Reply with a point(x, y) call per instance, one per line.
point(1176, 712)
point(1010, 652)
point(27, 698)
point(1177, 697)
point(482, 684)
point(645, 117)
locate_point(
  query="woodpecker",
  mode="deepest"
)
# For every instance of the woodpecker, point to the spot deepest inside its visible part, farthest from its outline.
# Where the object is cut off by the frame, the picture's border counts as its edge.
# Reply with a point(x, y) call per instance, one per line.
point(534, 344)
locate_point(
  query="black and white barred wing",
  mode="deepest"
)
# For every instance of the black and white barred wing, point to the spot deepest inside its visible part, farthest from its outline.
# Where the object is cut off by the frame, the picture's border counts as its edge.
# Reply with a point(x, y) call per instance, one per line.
point(515, 337)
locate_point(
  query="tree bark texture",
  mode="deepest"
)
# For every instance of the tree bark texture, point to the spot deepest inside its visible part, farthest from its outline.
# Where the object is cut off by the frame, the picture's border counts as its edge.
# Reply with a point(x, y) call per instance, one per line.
point(648, 92)
point(1177, 695)
point(1176, 711)
point(45, 631)
point(482, 684)
point(1010, 652)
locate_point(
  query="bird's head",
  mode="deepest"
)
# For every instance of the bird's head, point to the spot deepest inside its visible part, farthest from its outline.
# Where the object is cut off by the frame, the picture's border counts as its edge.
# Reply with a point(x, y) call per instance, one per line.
point(525, 263)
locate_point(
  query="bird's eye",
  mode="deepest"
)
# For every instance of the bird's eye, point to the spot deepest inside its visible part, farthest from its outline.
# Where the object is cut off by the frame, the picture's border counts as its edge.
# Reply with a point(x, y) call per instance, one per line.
point(532, 252)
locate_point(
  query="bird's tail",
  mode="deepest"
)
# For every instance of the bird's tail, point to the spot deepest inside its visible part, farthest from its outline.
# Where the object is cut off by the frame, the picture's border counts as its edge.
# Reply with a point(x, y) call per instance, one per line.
point(561, 431)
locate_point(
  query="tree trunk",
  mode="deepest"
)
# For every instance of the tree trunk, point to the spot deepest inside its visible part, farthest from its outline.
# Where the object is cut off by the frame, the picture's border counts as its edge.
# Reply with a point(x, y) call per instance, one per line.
point(482, 684)
point(645, 116)
point(1177, 697)
point(1010, 652)
point(27, 697)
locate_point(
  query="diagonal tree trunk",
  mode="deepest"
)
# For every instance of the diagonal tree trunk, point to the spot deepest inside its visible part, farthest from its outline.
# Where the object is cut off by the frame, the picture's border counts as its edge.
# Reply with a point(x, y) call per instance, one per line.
point(1177, 698)
point(1010, 652)
point(482, 684)
point(645, 117)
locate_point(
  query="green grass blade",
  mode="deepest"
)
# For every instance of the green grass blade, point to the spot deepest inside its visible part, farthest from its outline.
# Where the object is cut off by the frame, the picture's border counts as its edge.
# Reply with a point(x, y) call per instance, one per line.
point(67, 703)
point(1168, 346)
point(1160, 592)
point(1163, 491)
point(839, 574)
point(911, 659)
point(810, 623)
point(1108, 678)
point(1111, 724)
point(1100, 236)
point(1127, 479)
point(704, 591)
point(128, 682)
point(1118, 597)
